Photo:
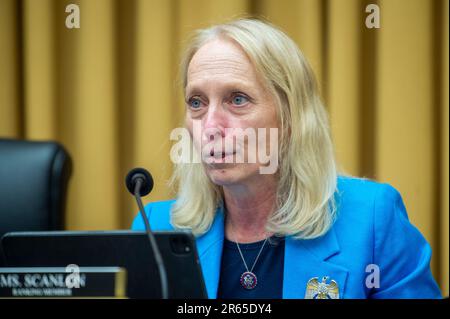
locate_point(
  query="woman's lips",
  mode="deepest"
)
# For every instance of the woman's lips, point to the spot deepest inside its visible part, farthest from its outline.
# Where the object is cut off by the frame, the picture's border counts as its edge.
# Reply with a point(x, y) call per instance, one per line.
point(219, 157)
point(220, 154)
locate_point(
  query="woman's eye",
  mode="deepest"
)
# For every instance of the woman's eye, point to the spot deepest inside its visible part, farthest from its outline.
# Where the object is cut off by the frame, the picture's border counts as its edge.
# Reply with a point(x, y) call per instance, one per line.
point(239, 100)
point(195, 103)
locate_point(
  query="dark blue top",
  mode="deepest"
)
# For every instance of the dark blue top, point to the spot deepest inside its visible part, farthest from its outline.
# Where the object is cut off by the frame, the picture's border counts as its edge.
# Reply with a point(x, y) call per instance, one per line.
point(268, 269)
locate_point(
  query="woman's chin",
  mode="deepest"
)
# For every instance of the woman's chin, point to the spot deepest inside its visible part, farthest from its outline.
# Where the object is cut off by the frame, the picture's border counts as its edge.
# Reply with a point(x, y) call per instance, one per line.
point(224, 175)
point(231, 174)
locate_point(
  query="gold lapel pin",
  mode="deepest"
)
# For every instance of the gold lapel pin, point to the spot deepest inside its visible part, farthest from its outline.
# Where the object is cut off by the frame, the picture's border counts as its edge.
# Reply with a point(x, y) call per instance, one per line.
point(321, 290)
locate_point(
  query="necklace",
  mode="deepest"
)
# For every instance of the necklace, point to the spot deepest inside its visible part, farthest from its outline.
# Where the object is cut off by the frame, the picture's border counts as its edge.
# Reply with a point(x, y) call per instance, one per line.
point(248, 278)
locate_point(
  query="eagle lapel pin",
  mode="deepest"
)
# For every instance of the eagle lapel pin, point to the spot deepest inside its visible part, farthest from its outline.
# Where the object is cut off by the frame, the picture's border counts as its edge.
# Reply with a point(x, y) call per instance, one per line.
point(321, 290)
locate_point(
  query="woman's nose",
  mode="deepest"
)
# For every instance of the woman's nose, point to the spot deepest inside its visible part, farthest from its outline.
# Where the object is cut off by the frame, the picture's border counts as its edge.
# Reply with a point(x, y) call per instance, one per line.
point(214, 123)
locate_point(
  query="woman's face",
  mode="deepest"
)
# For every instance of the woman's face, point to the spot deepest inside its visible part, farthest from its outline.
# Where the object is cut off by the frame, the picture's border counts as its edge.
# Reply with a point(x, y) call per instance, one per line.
point(223, 92)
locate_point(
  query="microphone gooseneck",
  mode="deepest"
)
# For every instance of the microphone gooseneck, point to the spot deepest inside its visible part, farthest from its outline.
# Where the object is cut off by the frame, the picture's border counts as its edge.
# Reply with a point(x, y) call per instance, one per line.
point(139, 183)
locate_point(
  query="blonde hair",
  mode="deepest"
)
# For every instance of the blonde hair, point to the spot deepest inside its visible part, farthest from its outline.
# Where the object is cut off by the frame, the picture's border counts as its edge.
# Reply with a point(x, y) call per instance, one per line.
point(307, 182)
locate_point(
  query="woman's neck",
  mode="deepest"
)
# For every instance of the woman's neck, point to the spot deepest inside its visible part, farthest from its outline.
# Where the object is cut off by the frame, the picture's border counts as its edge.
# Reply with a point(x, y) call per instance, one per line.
point(248, 208)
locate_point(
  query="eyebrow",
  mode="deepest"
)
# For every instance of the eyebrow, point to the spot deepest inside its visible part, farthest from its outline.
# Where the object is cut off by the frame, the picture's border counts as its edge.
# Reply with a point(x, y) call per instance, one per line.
point(235, 85)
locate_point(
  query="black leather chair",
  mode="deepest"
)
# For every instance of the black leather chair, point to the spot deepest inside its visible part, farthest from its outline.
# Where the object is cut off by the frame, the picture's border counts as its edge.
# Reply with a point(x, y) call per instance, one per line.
point(34, 178)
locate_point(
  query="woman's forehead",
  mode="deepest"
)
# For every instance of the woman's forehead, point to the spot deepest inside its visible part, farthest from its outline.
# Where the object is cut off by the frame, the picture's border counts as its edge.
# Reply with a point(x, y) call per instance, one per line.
point(220, 60)
point(219, 49)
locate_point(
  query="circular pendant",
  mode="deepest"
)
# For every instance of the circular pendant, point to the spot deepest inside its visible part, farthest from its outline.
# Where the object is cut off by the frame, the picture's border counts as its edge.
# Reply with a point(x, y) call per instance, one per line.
point(248, 280)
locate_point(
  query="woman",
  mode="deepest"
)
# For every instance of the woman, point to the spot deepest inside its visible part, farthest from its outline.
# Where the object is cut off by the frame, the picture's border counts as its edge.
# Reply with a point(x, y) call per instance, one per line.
point(300, 231)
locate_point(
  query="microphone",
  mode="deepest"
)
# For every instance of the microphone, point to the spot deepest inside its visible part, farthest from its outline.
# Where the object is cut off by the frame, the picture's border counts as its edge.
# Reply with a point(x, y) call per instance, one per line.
point(140, 183)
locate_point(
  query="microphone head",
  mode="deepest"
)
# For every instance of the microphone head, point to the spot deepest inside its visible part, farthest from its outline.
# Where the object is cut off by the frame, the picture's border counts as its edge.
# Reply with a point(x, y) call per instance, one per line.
point(144, 175)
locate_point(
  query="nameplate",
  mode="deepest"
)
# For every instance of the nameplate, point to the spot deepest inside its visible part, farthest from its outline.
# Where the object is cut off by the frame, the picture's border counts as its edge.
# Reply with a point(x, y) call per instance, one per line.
point(69, 282)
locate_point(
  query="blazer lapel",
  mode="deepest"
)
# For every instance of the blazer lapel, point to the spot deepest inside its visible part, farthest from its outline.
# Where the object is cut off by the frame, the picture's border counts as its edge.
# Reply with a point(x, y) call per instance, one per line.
point(306, 259)
point(210, 246)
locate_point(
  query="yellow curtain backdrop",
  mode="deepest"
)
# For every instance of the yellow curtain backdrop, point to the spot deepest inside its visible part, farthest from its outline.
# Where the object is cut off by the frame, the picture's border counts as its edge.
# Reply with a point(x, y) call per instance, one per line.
point(108, 92)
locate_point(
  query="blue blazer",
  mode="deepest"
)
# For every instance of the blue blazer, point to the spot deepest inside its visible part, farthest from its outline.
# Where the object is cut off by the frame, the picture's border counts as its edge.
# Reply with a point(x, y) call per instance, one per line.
point(372, 228)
